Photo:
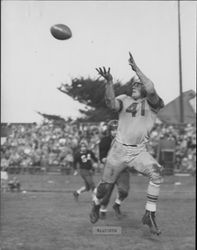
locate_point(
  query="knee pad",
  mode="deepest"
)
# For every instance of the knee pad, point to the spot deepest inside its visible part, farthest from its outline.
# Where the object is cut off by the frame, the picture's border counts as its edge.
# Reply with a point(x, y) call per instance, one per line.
point(157, 169)
point(156, 176)
point(105, 200)
point(103, 189)
point(122, 194)
point(157, 181)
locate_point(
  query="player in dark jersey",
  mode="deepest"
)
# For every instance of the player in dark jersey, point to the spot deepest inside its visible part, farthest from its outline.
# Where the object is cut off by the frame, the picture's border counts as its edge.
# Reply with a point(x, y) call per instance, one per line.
point(84, 159)
point(122, 182)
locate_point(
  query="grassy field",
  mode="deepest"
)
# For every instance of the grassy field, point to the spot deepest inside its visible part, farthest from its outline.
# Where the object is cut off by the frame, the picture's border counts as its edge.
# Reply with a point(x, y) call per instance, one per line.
point(46, 217)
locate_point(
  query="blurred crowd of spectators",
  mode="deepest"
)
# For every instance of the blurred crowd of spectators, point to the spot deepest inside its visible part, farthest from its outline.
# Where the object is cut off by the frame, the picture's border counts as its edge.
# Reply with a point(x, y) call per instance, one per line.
point(180, 139)
point(36, 147)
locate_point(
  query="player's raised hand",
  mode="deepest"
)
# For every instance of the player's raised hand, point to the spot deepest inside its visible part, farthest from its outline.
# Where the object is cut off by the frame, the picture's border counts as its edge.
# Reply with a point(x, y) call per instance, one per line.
point(132, 62)
point(105, 73)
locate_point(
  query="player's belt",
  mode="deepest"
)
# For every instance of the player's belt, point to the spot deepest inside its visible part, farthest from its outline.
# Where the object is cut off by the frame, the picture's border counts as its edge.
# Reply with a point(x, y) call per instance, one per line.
point(130, 145)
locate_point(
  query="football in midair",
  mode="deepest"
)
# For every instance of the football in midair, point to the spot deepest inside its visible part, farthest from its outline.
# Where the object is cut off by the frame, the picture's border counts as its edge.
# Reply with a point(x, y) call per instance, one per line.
point(61, 31)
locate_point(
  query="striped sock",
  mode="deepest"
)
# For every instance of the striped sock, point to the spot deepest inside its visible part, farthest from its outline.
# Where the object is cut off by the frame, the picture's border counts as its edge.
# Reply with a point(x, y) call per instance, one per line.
point(152, 196)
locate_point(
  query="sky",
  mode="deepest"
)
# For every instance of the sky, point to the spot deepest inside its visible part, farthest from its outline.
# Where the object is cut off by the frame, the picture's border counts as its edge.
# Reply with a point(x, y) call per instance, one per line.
point(34, 63)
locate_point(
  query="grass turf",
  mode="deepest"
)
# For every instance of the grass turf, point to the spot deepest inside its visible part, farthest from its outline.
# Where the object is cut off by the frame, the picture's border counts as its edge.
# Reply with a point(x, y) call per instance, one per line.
point(46, 217)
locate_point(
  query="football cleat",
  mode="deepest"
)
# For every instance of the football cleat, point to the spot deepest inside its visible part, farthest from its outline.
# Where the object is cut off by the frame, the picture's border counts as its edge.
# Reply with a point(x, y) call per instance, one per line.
point(149, 220)
point(116, 208)
point(94, 214)
point(76, 195)
point(102, 215)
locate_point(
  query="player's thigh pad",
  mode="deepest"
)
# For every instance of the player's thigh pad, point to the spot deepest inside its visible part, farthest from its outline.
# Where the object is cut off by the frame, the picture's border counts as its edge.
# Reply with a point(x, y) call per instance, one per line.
point(147, 165)
point(114, 163)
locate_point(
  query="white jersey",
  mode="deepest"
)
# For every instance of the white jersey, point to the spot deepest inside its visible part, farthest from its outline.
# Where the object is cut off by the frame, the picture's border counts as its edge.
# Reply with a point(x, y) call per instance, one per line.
point(136, 119)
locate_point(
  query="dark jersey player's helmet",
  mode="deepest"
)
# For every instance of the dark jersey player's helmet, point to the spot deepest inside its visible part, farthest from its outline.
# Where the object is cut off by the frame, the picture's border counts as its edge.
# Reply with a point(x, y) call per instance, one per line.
point(112, 125)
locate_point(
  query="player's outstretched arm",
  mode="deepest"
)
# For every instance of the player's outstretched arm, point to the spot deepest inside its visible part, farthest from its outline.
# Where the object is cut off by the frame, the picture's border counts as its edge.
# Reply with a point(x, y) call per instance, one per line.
point(148, 84)
point(144, 79)
point(111, 101)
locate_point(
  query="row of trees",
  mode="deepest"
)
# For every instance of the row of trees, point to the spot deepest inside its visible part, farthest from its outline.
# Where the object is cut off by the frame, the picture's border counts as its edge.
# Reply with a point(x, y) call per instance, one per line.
point(92, 93)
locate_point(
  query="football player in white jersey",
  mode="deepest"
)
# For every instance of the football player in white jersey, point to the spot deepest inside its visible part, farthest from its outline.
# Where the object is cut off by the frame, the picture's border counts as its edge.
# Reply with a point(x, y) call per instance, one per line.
point(137, 114)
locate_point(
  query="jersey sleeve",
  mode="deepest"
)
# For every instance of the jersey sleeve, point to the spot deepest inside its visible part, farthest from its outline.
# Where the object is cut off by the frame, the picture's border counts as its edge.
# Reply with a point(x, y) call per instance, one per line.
point(155, 107)
point(121, 99)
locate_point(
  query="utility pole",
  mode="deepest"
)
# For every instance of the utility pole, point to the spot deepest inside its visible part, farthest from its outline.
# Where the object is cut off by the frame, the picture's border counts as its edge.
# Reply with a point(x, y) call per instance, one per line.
point(180, 68)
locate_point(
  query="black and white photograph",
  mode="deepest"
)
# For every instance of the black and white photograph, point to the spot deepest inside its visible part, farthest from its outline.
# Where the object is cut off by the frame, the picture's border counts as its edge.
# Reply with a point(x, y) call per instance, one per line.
point(98, 125)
